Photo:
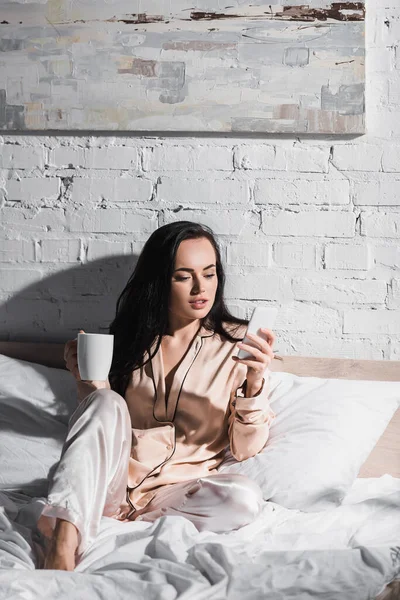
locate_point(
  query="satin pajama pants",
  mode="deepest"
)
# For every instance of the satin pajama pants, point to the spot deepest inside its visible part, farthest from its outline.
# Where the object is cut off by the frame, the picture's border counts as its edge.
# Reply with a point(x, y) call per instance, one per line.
point(91, 478)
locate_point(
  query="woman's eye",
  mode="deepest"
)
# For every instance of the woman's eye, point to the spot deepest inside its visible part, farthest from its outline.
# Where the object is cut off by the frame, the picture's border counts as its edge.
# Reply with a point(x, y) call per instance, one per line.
point(185, 278)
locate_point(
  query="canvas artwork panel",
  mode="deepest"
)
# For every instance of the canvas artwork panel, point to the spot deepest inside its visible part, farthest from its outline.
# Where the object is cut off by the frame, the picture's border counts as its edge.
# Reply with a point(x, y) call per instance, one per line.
point(164, 65)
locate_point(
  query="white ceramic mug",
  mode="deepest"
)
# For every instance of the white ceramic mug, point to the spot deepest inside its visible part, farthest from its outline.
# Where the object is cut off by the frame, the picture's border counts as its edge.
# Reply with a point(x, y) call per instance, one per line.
point(95, 353)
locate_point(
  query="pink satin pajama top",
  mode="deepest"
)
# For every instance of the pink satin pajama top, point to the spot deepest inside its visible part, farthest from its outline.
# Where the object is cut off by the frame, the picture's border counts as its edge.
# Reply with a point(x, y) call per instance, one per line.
point(206, 412)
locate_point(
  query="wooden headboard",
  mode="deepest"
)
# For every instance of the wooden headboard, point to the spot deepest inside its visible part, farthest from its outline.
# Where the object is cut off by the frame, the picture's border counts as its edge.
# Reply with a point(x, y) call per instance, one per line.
point(384, 458)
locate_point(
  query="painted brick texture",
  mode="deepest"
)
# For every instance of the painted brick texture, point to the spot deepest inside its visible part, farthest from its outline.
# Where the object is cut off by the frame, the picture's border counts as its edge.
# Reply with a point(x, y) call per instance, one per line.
point(310, 225)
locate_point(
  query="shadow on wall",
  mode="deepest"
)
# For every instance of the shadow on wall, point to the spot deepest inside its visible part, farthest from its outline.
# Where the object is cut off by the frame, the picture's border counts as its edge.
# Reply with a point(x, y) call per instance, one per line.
point(56, 307)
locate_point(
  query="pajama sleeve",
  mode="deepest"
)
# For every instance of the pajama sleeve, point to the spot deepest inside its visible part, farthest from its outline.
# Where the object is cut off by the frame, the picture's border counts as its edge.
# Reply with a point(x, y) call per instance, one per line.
point(249, 418)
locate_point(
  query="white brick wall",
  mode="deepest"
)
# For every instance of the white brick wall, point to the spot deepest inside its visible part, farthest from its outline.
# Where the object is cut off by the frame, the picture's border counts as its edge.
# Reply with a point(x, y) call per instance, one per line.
point(308, 224)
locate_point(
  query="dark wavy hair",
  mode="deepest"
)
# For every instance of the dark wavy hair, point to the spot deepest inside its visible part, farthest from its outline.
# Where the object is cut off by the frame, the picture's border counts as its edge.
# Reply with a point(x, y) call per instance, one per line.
point(142, 307)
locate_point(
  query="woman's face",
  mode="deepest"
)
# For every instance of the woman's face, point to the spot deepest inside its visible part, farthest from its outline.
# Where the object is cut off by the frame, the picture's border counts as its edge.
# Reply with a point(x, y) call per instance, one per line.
point(195, 276)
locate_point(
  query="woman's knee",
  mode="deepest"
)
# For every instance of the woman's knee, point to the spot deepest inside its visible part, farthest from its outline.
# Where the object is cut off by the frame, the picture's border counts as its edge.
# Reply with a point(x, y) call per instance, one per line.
point(105, 393)
point(103, 402)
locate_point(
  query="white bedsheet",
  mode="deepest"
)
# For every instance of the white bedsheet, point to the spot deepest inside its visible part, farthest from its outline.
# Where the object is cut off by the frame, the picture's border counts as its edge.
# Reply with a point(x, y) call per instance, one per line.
point(348, 552)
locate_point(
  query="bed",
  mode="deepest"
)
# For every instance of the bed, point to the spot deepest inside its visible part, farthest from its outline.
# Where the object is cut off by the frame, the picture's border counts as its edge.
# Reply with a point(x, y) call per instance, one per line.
point(329, 530)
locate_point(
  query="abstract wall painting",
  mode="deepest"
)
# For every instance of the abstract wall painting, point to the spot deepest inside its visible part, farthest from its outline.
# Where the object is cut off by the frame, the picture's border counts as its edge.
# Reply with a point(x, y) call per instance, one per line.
point(163, 65)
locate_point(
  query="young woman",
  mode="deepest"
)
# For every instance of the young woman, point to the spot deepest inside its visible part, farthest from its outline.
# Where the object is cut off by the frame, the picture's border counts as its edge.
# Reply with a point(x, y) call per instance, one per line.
point(147, 442)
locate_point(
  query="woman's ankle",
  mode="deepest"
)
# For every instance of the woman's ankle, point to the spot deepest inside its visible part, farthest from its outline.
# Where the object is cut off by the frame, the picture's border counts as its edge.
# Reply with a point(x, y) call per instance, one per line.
point(65, 534)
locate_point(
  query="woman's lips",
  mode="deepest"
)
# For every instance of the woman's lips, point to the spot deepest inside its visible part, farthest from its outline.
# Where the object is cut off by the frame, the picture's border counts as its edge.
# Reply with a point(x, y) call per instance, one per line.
point(198, 305)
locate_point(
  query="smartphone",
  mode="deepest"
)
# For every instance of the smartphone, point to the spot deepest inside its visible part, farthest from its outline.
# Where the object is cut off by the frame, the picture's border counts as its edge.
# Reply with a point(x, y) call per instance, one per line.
point(262, 317)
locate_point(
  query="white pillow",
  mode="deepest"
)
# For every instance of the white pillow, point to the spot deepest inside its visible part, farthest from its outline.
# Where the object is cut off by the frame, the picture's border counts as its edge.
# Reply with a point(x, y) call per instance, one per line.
point(323, 432)
point(35, 405)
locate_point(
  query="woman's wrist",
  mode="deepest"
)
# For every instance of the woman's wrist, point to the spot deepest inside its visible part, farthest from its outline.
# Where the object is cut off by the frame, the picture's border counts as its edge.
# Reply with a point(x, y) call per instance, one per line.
point(253, 388)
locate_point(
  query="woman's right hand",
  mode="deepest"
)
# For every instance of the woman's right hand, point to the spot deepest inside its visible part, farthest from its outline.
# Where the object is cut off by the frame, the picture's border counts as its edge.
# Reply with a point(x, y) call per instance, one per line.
point(71, 361)
point(71, 357)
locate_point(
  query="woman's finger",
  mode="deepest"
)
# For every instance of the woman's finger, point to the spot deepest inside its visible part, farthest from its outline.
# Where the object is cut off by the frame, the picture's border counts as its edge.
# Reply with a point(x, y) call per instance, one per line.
point(261, 357)
point(254, 364)
point(261, 343)
point(71, 346)
point(254, 351)
point(271, 337)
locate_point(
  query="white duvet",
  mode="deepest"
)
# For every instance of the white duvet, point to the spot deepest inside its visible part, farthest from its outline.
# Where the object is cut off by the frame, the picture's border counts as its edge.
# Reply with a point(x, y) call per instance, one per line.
point(349, 553)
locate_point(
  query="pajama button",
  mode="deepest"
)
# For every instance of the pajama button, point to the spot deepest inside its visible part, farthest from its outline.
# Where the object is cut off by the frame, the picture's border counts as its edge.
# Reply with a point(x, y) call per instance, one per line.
point(169, 447)
point(139, 518)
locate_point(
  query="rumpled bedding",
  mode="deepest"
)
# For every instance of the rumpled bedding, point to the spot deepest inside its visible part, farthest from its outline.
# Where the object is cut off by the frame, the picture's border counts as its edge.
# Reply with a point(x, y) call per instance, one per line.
point(349, 552)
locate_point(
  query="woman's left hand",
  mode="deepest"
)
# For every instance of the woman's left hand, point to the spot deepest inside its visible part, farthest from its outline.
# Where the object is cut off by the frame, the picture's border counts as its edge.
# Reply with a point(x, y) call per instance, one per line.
point(262, 355)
